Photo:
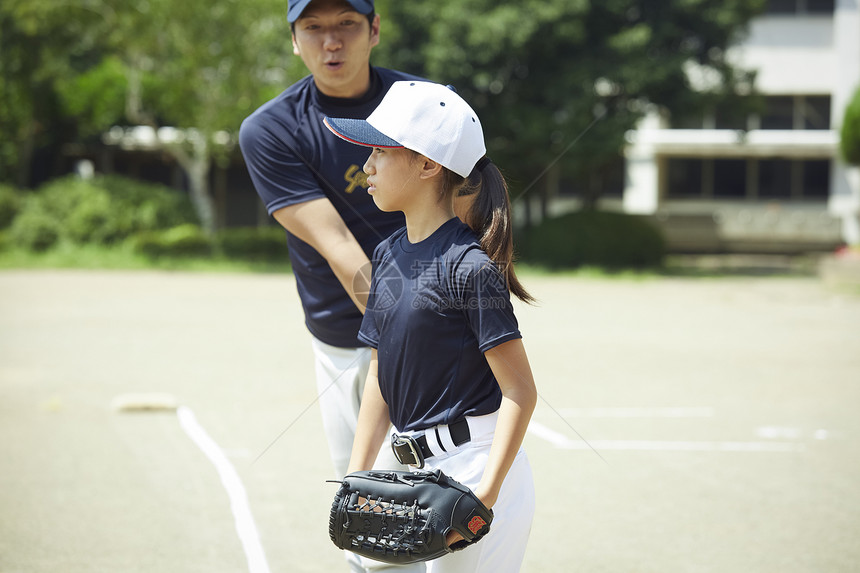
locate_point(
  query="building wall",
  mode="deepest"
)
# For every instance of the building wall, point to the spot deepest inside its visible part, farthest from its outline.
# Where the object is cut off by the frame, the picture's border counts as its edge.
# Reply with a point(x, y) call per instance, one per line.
point(780, 45)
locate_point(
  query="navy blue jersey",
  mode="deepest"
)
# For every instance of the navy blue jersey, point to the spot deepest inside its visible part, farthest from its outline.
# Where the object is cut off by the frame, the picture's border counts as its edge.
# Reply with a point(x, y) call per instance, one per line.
point(435, 307)
point(293, 158)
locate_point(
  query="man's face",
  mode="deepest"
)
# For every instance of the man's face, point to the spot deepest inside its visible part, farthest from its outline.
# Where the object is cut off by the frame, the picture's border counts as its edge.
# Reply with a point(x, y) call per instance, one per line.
point(334, 41)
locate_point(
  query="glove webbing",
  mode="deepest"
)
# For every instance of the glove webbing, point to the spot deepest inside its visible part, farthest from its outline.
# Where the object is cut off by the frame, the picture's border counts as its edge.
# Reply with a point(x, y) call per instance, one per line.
point(385, 526)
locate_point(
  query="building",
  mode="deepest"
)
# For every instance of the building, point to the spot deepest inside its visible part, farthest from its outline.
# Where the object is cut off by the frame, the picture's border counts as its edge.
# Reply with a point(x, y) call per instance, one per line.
point(769, 182)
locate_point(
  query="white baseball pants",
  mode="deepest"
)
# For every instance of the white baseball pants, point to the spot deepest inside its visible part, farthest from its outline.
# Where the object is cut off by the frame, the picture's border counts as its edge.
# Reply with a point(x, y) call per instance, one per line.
point(503, 548)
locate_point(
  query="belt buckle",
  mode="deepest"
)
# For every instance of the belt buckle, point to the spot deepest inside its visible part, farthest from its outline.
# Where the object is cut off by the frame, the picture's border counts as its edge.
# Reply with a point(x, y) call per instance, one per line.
point(403, 446)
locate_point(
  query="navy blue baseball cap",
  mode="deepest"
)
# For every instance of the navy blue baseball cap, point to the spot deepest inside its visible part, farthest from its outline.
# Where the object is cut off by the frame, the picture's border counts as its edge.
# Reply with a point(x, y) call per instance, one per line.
point(296, 7)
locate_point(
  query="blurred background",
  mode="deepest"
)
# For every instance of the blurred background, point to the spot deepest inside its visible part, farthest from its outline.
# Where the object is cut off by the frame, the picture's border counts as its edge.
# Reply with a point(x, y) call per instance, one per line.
point(710, 146)
point(649, 128)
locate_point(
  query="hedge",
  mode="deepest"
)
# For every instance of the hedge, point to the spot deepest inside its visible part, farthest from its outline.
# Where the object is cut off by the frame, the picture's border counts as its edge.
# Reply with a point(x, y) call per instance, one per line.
point(10, 204)
point(261, 244)
point(593, 238)
point(256, 243)
point(187, 240)
point(104, 210)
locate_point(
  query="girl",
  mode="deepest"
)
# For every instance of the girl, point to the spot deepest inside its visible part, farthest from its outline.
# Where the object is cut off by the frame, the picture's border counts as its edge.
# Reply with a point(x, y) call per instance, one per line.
point(448, 367)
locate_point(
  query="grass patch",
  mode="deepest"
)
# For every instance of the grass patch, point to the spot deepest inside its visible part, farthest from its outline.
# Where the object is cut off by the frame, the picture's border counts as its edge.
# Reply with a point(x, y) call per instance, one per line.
point(124, 257)
point(587, 272)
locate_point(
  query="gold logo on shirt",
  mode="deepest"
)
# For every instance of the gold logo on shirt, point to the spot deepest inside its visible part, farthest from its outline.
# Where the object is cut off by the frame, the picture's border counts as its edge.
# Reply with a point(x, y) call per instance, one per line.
point(356, 178)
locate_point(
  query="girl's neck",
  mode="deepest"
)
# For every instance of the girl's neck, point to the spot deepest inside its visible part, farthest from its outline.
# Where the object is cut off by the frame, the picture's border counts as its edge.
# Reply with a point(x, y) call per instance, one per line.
point(423, 222)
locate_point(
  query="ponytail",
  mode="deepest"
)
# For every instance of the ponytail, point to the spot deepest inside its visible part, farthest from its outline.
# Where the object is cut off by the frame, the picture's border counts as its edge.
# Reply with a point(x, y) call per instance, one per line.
point(490, 219)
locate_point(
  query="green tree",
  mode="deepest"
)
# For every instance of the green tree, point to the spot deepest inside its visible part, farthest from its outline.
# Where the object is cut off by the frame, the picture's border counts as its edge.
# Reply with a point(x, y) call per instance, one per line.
point(41, 42)
point(198, 66)
point(541, 73)
point(849, 134)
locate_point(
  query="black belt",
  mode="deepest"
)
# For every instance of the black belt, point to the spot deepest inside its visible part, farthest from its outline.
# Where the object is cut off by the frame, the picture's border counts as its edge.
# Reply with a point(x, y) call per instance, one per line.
point(413, 450)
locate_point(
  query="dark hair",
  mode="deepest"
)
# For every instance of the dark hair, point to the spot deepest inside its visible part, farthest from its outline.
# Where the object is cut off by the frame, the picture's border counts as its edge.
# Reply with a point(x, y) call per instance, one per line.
point(369, 17)
point(490, 219)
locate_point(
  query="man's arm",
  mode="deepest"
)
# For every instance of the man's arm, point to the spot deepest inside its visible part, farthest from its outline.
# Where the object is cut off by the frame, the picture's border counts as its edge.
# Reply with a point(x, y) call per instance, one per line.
point(318, 223)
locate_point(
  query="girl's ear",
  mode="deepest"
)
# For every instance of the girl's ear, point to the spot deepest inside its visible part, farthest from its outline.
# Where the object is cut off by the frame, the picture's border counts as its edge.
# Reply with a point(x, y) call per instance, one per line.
point(429, 168)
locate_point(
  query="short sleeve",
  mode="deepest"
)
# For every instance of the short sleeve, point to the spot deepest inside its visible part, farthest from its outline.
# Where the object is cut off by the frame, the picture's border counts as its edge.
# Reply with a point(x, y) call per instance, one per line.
point(280, 177)
point(369, 331)
point(485, 299)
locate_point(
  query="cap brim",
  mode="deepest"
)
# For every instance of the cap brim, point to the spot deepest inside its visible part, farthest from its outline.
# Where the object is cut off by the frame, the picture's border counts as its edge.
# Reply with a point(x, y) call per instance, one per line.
point(359, 132)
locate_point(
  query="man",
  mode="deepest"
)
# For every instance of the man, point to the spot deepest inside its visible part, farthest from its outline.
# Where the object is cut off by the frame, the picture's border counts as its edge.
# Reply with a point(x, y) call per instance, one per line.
point(312, 183)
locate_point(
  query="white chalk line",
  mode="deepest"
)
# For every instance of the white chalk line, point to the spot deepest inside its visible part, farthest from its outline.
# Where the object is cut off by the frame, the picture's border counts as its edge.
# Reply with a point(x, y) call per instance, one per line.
point(245, 526)
point(563, 442)
point(639, 412)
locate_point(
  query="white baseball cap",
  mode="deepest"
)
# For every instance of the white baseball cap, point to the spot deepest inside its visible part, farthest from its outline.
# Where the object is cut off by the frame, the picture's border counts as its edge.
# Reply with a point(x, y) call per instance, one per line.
point(422, 116)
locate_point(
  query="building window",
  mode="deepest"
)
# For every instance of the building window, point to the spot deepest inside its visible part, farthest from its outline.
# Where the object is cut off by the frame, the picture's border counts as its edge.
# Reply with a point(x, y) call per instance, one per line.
point(815, 112)
point(727, 117)
point(820, 6)
point(796, 112)
point(747, 179)
point(683, 177)
point(778, 113)
point(800, 7)
point(781, 7)
point(774, 178)
point(730, 178)
point(687, 121)
point(816, 179)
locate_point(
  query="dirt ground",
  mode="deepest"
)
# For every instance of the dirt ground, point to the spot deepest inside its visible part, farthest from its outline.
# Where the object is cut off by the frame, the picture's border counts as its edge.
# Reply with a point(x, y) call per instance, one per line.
point(684, 425)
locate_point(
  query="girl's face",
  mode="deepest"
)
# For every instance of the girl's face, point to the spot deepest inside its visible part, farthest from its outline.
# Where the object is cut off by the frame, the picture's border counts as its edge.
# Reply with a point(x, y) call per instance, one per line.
point(389, 174)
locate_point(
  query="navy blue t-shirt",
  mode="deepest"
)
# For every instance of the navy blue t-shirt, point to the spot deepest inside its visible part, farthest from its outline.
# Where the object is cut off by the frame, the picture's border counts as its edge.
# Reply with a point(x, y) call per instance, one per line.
point(293, 158)
point(435, 307)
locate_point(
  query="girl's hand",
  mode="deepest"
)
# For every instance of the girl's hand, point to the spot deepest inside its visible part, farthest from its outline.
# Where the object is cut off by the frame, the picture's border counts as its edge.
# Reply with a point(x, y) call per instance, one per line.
point(487, 497)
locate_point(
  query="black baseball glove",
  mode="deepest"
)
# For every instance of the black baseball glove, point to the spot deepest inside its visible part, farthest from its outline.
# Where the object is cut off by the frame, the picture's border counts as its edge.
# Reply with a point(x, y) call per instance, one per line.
point(404, 517)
